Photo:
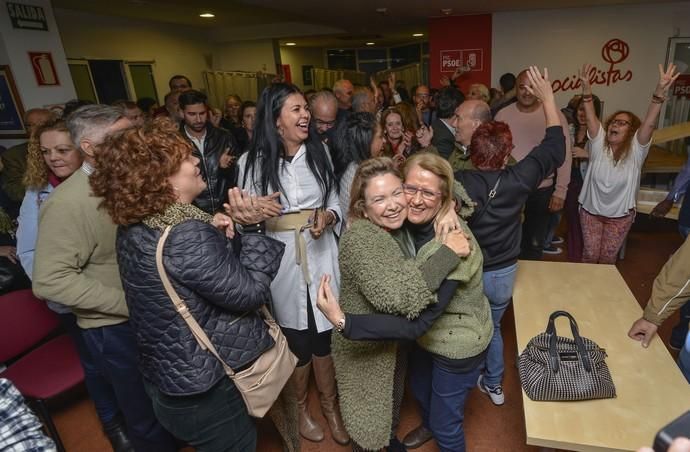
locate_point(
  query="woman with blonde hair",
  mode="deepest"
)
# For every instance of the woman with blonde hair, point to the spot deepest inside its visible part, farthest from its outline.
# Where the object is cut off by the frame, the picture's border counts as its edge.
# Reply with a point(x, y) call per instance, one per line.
point(452, 336)
point(479, 91)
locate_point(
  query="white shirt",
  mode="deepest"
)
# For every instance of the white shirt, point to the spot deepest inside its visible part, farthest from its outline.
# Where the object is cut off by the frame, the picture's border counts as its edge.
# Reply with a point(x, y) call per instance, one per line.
point(289, 290)
point(198, 142)
point(609, 189)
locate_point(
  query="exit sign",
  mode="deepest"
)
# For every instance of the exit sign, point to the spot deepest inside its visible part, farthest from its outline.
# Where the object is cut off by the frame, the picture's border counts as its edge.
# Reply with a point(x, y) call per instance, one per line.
point(27, 16)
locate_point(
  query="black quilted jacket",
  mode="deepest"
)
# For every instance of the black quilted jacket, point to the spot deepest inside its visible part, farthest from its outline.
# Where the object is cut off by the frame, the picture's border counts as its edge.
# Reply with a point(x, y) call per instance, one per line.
point(221, 289)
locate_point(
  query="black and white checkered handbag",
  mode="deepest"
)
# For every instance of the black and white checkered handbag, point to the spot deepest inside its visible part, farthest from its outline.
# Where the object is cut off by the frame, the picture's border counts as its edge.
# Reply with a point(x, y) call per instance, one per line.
point(559, 368)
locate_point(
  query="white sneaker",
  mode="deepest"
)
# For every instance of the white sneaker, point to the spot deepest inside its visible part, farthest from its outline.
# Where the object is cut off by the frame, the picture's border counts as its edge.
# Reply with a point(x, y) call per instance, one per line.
point(495, 393)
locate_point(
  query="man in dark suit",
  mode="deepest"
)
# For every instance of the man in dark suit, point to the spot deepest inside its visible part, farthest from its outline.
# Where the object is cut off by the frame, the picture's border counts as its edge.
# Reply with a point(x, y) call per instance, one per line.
point(448, 100)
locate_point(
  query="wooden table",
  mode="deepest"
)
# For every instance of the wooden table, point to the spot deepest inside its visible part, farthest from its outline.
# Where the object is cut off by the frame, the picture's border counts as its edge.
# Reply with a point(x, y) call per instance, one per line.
point(651, 389)
point(659, 160)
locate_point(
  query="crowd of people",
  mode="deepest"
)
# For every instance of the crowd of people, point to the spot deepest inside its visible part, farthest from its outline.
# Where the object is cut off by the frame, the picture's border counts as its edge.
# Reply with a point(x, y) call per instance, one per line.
point(396, 219)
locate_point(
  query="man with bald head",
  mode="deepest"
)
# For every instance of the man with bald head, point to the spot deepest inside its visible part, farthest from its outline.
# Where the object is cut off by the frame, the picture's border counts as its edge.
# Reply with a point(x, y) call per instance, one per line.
point(468, 116)
point(526, 120)
point(14, 163)
point(343, 90)
point(324, 111)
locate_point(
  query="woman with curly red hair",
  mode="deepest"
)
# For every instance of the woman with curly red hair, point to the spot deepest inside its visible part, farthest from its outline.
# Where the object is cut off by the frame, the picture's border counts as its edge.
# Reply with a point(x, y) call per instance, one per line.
point(148, 179)
point(500, 192)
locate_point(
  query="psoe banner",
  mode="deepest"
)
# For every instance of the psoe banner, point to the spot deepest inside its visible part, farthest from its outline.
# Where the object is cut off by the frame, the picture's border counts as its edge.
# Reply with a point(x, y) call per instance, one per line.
point(460, 42)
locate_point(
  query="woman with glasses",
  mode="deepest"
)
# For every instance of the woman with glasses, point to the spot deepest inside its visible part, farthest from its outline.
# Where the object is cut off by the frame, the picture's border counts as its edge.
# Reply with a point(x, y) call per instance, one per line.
point(452, 335)
point(377, 277)
point(617, 152)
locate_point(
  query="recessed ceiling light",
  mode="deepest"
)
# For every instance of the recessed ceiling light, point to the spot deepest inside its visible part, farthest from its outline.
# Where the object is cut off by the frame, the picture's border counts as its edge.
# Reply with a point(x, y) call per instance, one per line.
point(417, 35)
point(290, 43)
point(371, 43)
point(207, 15)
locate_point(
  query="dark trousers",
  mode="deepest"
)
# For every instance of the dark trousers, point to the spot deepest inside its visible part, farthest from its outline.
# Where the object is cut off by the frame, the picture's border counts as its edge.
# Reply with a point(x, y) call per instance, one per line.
point(114, 352)
point(536, 224)
point(441, 395)
point(572, 217)
point(305, 343)
point(214, 421)
point(99, 388)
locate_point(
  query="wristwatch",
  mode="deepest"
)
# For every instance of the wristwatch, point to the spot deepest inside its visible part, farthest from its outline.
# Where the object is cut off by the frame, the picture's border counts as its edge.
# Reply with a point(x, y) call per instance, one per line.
point(257, 228)
point(340, 325)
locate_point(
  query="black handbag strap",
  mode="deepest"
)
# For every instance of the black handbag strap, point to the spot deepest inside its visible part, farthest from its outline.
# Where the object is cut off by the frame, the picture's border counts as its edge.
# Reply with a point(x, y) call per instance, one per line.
point(579, 343)
point(492, 195)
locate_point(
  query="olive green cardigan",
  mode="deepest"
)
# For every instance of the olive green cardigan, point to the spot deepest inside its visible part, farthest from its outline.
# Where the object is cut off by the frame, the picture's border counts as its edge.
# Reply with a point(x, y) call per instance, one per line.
point(376, 277)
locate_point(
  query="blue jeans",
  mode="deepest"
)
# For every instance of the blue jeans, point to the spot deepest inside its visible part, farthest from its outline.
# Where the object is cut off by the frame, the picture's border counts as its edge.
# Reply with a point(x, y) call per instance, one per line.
point(99, 388)
point(684, 358)
point(213, 421)
point(498, 288)
point(441, 395)
point(114, 351)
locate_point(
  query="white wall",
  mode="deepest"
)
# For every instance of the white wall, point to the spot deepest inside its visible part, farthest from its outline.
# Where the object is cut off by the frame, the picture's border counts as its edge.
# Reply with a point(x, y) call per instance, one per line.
point(14, 45)
point(297, 57)
point(564, 39)
point(175, 49)
point(251, 56)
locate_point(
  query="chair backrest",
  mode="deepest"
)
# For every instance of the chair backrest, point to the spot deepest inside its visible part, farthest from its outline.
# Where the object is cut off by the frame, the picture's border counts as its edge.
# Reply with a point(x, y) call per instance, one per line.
point(24, 321)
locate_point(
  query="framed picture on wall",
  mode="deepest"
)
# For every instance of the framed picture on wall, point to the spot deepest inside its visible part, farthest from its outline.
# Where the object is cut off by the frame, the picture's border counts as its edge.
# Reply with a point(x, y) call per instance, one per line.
point(11, 109)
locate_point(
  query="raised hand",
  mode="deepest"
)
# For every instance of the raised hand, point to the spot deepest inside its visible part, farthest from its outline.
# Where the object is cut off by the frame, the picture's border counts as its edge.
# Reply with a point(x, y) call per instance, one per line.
point(666, 79)
point(583, 75)
point(539, 85)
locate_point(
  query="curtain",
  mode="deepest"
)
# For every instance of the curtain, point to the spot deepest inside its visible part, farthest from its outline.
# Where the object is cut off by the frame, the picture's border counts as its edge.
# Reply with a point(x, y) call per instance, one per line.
point(411, 74)
point(325, 78)
point(247, 85)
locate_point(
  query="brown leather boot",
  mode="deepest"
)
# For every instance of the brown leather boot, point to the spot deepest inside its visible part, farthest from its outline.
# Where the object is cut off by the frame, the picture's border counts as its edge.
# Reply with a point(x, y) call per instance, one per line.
point(325, 381)
point(308, 427)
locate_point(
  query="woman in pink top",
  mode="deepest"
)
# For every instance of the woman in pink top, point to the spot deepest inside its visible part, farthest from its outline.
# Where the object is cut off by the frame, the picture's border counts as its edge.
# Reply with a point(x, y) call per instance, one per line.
point(617, 151)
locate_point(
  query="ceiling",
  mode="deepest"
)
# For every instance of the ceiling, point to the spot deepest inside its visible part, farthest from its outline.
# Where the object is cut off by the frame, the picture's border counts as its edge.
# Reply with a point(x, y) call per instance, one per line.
point(314, 23)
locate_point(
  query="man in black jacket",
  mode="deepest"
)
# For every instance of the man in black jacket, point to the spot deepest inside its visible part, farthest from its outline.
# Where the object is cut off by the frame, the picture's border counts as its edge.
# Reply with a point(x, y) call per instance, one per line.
point(215, 148)
point(449, 99)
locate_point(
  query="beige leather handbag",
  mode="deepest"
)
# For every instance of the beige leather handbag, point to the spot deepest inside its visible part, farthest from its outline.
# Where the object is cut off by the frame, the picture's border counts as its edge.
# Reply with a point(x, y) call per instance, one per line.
point(260, 384)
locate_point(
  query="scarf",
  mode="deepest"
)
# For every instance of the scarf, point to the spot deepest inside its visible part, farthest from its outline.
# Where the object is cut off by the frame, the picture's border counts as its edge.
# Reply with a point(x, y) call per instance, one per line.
point(175, 214)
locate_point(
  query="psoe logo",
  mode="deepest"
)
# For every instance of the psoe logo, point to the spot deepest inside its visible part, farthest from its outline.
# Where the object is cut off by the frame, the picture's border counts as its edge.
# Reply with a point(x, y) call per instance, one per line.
point(614, 52)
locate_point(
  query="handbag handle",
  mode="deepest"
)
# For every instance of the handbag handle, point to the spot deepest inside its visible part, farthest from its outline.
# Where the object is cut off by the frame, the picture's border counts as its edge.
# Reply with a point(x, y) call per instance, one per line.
point(579, 343)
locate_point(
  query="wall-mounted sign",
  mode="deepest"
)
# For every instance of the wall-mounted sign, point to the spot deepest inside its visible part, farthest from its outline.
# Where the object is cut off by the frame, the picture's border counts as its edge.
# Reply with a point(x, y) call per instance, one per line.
point(44, 69)
point(11, 110)
point(27, 16)
point(469, 59)
point(614, 52)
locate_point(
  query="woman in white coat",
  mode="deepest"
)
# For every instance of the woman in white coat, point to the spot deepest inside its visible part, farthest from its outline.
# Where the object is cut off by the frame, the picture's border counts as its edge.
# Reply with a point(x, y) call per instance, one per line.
point(284, 158)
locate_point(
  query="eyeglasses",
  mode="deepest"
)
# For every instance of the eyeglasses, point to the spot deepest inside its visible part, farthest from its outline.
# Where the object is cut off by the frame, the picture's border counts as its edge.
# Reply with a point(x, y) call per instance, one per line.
point(412, 190)
point(620, 122)
point(325, 123)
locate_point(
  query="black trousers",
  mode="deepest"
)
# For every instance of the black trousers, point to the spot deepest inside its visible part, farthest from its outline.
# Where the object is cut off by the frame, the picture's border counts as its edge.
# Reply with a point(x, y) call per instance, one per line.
point(305, 343)
point(536, 224)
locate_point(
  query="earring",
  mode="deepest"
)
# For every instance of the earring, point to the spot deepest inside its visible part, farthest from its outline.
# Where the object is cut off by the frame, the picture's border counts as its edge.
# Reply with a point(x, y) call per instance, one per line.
point(176, 188)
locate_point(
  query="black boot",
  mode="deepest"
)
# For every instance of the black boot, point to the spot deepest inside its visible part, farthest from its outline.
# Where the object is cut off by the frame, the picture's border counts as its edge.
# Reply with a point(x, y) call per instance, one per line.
point(117, 435)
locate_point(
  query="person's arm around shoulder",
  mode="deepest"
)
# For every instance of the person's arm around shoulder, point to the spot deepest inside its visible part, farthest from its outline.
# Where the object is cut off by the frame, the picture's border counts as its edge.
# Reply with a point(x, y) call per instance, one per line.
point(202, 259)
point(670, 290)
point(389, 281)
